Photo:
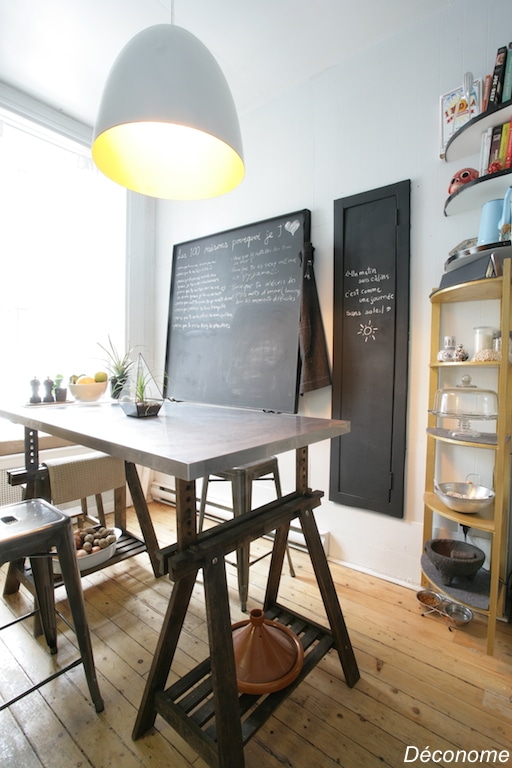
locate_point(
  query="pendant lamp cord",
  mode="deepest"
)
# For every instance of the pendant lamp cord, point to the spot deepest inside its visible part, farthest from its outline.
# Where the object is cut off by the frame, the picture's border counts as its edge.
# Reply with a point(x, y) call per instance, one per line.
point(165, 4)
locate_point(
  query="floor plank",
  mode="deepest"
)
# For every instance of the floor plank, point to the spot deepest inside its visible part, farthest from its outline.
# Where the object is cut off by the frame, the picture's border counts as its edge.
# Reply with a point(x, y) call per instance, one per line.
point(421, 686)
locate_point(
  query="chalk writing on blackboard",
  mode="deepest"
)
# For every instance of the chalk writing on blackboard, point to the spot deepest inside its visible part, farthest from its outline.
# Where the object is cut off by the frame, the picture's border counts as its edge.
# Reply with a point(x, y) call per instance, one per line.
point(369, 294)
point(234, 315)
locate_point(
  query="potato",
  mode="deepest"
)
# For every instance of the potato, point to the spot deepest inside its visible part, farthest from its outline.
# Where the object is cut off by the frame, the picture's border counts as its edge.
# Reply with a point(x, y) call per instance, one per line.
point(89, 540)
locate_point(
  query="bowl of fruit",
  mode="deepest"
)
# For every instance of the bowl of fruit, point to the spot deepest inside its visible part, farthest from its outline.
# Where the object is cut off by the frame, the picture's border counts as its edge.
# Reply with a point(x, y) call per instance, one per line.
point(88, 389)
point(94, 546)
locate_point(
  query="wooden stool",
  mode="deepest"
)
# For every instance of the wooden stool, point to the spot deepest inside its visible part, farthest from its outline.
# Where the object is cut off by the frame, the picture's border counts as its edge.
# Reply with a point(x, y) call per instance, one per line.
point(74, 479)
point(241, 479)
point(31, 529)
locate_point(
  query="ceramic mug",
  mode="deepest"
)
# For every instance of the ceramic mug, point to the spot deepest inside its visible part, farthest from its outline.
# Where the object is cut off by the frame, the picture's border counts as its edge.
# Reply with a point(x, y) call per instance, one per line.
point(488, 233)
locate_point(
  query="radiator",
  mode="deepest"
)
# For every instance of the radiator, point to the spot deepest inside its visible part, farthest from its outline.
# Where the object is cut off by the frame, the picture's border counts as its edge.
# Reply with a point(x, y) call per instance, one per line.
point(217, 509)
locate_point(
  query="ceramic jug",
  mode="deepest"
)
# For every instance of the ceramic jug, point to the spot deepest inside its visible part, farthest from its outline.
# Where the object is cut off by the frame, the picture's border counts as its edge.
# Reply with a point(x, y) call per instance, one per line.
point(492, 211)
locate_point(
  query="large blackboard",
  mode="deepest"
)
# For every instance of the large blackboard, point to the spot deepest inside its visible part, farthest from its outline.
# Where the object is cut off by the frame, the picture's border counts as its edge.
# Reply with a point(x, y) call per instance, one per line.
point(370, 347)
point(234, 314)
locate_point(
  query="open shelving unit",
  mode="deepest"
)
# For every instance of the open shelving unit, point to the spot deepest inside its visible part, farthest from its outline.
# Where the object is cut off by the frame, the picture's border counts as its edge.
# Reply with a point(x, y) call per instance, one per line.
point(486, 593)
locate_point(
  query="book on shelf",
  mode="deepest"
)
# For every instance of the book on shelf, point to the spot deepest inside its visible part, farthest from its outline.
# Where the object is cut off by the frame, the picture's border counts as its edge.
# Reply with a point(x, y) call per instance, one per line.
point(485, 150)
point(505, 132)
point(494, 152)
point(486, 92)
point(508, 155)
point(507, 82)
point(498, 77)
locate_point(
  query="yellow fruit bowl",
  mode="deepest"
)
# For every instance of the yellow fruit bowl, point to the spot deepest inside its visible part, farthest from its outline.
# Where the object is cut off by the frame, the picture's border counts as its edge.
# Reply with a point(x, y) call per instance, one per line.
point(88, 393)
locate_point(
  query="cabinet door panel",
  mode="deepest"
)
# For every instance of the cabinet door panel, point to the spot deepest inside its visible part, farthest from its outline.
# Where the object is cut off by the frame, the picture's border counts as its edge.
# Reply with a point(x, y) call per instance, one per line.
point(370, 358)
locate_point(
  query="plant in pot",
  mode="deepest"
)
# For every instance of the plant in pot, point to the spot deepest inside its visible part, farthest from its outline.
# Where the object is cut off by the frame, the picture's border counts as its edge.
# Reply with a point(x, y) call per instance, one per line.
point(59, 392)
point(118, 366)
point(140, 396)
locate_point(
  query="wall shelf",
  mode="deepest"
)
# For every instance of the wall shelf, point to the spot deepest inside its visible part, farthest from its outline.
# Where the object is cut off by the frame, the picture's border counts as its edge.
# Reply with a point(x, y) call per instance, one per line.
point(467, 142)
point(473, 195)
point(476, 520)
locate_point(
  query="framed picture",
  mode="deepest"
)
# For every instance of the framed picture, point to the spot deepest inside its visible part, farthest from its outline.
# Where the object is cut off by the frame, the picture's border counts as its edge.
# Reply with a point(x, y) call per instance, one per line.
point(455, 111)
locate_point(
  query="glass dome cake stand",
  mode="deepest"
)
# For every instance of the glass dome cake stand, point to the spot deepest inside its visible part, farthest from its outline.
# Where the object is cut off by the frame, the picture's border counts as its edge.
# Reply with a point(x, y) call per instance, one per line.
point(465, 403)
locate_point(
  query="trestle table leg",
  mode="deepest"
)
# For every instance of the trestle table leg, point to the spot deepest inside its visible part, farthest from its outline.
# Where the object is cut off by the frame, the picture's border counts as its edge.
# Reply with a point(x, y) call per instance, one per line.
point(164, 652)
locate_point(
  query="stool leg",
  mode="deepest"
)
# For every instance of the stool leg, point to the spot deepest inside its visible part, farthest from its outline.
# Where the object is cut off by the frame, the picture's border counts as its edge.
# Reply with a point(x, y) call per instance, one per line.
point(45, 595)
point(101, 509)
point(277, 483)
point(72, 582)
point(12, 583)
point(241, 490)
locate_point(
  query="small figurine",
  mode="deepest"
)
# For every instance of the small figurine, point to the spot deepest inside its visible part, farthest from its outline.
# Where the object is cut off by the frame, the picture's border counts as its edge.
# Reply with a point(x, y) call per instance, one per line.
point(464, 176)
point(460, 354)
point(447, 354)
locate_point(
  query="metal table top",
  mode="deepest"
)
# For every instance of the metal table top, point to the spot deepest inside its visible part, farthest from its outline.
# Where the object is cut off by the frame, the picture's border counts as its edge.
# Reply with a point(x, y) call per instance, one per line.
point(186, 440)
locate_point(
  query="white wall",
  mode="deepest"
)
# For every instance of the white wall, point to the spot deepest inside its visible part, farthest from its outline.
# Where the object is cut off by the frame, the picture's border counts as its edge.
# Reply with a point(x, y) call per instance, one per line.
point(368, 122)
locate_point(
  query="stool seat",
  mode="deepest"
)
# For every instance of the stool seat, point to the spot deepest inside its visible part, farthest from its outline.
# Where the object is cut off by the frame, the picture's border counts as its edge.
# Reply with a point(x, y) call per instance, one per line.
point(241, 479)
point(254, 470)
point(31, 529)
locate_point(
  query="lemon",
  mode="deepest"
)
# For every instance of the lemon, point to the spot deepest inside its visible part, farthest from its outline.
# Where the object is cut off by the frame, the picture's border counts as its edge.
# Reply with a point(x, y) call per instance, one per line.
point(101, 376)
point(85, 380)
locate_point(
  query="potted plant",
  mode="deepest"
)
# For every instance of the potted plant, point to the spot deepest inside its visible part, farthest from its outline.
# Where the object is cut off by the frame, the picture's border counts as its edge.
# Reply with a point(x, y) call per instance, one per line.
point(59, 391)
point(140, 396)
point(118, 366)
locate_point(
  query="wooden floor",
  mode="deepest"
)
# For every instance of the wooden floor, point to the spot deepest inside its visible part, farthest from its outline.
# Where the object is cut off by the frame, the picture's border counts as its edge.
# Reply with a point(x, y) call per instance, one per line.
point(422, 686)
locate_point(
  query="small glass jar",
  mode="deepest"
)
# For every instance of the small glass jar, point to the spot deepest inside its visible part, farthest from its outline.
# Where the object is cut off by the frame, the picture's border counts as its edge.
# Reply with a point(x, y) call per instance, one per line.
point(483, 338)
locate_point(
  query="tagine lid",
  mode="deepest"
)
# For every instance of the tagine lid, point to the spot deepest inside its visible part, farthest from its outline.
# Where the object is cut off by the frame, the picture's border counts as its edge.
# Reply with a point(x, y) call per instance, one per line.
point(268, 655)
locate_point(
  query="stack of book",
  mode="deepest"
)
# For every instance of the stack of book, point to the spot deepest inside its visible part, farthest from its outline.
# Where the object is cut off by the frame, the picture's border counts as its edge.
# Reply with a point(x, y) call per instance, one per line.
point(496, 149)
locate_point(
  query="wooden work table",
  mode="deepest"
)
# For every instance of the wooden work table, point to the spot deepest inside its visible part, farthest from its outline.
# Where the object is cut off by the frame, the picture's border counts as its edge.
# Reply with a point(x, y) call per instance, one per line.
point(190, 441)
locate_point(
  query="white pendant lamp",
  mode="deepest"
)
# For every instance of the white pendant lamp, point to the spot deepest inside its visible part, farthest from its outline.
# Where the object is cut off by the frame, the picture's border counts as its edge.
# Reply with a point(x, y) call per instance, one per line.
point(167, 125)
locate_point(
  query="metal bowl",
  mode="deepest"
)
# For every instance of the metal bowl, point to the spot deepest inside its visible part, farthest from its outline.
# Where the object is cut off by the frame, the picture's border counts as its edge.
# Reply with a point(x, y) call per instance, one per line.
point(457, 613)
point(430, 600)
point(464, 497)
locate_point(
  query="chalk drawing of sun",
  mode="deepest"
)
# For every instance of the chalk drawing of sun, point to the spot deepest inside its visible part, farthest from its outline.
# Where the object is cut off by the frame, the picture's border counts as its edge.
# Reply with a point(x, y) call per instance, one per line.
point(367, 330)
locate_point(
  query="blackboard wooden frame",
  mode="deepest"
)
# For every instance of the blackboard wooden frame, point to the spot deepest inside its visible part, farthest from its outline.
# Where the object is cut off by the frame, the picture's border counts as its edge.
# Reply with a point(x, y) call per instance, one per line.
point(371, 347)
point(234, 316)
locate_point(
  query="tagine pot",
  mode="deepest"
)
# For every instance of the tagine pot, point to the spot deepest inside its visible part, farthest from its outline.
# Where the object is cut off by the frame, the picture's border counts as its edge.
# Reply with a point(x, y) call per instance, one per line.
point(268, 655)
